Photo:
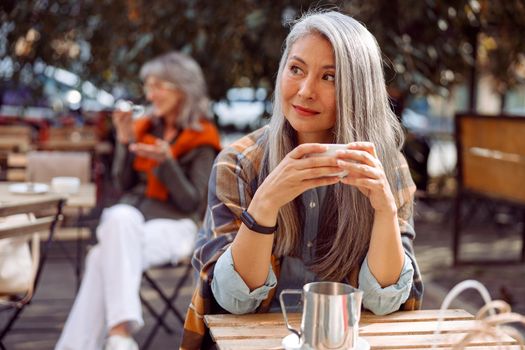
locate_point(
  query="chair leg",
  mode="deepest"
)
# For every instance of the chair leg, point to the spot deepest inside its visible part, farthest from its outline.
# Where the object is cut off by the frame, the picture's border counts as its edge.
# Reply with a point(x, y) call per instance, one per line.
point(523, 238)
point(11, 321)
point(158, 319)
point(79, 258)
point(168, 301)
point(457, 231)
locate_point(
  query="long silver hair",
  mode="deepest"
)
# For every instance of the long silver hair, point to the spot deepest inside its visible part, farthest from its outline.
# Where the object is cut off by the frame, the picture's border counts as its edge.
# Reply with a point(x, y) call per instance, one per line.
point(185, 73)
point(363, 114)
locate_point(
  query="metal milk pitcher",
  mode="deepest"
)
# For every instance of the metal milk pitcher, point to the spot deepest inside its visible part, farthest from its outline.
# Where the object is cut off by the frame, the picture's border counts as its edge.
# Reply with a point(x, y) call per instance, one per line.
point(331, 313)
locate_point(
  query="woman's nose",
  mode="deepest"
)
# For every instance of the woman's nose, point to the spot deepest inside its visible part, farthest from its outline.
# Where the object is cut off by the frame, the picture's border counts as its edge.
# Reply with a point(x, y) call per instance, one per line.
point(307, 88)
point(150, 95)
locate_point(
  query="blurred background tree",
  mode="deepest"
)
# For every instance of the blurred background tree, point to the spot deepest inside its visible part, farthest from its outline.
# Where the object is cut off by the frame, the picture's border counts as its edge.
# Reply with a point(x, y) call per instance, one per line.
point(429, 45)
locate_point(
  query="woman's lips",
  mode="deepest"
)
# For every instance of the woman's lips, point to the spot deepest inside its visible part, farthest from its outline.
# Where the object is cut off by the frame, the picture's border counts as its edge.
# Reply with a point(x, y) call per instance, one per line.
point(304, 111)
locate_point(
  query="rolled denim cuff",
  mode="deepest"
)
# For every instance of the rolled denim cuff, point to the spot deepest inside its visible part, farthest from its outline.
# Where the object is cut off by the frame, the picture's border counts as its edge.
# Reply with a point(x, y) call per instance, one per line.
point(382, 301)
point(230, 290)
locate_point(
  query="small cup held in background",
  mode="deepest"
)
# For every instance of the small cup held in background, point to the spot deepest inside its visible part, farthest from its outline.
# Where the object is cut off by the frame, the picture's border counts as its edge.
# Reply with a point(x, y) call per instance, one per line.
point(137, 111)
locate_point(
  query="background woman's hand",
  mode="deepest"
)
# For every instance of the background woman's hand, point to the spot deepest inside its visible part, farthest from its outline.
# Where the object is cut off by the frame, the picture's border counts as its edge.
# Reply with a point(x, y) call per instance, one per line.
point(296, 174)
point(366, 172)
point(123, 125)
point(160, 151)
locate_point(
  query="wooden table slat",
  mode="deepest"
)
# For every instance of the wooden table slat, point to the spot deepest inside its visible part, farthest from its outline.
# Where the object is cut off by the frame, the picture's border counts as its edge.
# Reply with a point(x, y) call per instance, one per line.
point(426, 340)
point(443, 341)
point(400, 330)
point(365, 329)
point(277, 318)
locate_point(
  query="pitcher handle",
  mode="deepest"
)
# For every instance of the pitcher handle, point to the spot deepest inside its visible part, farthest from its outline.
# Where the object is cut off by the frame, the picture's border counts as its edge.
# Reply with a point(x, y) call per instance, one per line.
point(283, 308)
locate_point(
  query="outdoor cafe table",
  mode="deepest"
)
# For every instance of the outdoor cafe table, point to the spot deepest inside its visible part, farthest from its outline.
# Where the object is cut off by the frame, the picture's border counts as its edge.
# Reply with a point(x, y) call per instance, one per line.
point(400, 330)
point(85, 198)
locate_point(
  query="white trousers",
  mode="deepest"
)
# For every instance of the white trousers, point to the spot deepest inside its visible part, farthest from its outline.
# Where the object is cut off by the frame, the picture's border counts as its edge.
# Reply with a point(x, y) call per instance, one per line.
point(109, 293)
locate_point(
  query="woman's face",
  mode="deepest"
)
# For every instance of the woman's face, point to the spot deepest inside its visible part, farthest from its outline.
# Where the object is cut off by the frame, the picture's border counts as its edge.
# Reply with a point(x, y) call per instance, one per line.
point(164, 96)
point(308, 89)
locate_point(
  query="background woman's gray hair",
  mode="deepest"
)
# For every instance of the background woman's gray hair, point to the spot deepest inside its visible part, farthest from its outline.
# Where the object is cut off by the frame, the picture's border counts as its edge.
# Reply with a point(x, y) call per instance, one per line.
point(363, 114)
point(186, 74)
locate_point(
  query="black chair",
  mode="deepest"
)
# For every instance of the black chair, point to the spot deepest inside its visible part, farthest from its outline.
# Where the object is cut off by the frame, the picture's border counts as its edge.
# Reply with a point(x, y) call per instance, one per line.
point(168, 299)
point(15, 303)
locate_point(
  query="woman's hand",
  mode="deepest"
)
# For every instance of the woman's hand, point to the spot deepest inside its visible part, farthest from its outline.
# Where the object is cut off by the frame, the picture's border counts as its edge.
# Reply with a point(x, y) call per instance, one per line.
point(296, 174)
point(366, 172)
point(123, 125)
point(160, 151)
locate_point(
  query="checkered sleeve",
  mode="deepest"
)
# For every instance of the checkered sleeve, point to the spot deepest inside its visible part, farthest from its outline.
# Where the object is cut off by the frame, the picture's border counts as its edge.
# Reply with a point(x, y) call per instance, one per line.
point(404, 194)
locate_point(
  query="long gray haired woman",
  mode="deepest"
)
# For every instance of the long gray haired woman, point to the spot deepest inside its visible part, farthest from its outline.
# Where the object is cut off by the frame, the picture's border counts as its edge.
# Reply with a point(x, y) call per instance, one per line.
point(162, 164)
point(278, 218)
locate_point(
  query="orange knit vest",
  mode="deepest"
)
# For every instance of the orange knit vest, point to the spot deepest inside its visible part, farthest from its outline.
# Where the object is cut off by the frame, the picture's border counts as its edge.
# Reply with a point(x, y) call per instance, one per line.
point(185, 142)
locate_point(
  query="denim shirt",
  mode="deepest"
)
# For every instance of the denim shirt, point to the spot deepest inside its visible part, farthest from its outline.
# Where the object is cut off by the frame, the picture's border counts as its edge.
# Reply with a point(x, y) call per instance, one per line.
point(232, 293)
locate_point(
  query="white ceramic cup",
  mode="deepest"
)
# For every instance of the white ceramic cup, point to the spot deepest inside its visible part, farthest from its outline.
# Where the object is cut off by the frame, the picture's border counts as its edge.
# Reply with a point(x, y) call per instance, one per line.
point(332, 148)
point(65, 184)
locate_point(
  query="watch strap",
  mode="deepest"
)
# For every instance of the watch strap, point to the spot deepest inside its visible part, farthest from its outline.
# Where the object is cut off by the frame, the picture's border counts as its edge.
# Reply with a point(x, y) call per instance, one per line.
point(250, 222)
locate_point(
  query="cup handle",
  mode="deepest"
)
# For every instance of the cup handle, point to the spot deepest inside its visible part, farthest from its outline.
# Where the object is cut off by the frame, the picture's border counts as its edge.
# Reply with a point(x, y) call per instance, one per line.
point(283, 308)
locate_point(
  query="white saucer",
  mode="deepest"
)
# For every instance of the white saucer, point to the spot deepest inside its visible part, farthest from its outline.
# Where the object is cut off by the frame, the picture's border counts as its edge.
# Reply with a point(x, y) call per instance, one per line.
point(28, 188)
point(292, 342)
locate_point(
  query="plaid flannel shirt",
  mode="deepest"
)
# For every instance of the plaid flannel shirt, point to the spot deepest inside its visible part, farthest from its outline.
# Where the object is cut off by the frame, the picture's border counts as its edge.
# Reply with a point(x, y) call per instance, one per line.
point(233, 182)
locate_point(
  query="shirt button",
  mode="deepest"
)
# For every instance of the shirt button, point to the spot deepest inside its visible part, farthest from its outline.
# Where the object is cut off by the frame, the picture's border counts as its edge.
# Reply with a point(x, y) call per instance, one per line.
point(309, 244)
point(312, 204)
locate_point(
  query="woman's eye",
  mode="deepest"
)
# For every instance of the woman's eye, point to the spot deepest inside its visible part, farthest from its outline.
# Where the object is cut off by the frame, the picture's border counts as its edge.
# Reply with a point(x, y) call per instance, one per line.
point(295, 70)
point(329, 77)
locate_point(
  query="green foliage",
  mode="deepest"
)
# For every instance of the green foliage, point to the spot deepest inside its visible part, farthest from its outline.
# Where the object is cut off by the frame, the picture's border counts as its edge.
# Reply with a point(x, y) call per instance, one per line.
point(427, 44)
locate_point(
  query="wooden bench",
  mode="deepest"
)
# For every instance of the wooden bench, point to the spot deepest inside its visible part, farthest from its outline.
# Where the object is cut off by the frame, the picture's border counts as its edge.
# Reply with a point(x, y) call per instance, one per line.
point(15, 138)
point(491, 165)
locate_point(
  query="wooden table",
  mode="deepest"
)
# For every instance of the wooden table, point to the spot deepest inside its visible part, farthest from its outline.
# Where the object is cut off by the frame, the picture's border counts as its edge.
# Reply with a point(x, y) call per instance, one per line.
point(16, 166)
point(400, 330)
point(69, 145)
point(85, 198)
point(11, 143)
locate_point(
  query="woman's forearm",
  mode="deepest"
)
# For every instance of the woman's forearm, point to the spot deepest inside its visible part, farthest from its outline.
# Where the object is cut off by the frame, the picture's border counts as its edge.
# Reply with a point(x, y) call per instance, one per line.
point(252, 251)
point(124, 176)
point(386, 254)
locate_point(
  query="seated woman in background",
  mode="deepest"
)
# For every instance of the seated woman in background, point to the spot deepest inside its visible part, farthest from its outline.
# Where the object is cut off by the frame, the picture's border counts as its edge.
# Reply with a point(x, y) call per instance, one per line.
point(162, 164)
point(277, 219)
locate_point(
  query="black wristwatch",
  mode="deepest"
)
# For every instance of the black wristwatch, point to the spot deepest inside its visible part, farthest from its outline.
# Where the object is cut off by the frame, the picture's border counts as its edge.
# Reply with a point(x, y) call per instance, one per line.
point(250, 222)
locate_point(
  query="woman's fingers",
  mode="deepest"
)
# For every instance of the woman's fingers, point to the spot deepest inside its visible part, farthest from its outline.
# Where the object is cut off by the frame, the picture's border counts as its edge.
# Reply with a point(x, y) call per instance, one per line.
point(307, 148)
point(359, 156)
point(359, 169)
point(143, 147)
point(320, 181)
point(369, 184)
point(313, 173)
point(315, 162)
point(148, 151)
point(366, 146)
point(121, 117)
